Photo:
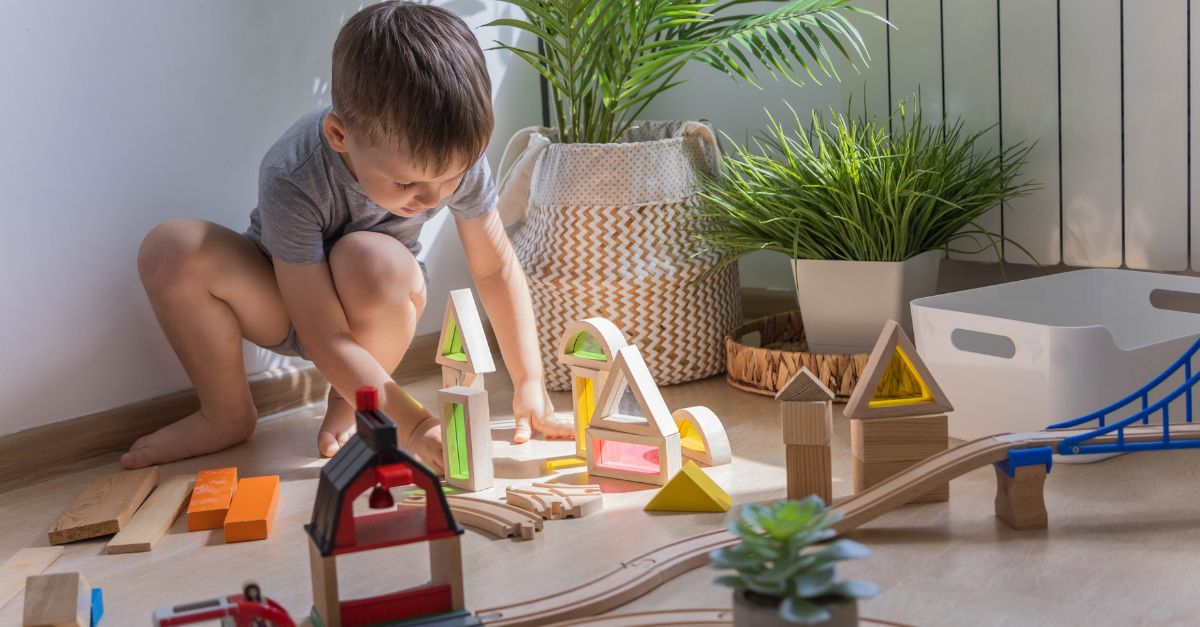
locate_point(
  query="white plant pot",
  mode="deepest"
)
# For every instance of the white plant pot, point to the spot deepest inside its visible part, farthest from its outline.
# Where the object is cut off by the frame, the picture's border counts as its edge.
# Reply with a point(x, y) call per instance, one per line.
point(846, 303)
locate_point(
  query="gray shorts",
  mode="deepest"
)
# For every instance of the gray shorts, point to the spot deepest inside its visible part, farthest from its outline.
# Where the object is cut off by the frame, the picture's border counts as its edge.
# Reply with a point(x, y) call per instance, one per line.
point(292, 346)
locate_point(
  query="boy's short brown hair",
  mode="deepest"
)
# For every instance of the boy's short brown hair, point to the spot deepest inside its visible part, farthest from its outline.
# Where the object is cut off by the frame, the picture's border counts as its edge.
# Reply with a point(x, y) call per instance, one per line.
point(414, 74)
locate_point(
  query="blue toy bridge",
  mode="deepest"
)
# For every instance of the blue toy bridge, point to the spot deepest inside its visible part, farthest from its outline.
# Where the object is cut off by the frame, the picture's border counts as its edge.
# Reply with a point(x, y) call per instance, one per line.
point(1139, 403)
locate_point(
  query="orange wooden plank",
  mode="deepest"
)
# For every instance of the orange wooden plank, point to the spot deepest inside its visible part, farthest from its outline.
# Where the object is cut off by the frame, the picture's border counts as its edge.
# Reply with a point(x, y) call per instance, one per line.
point(253, 509)
point(210, 498)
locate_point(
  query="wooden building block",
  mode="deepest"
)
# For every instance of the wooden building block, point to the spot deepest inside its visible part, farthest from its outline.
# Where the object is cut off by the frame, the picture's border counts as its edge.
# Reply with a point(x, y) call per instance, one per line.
point(898, 439)
point(324, 577)
point(57, 600)
point(629, 371)
point(211, 498)
point(20, 566)
point(154, 517)
point(253, 509)
point(809, 471)
point(467, 434)
point(809, 424)
point(895, 382)
point(463, 343)
point(690, 490)
point(553, 501)
point(632, 457)
point(867, 475)
point(105, 506)
point(592, 344)
point(585, 388)
point(1020, 499)
point(702, 436)
point(446, 568)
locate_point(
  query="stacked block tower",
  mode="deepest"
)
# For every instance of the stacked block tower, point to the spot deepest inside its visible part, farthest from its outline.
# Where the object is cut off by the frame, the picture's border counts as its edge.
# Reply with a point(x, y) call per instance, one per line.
point(465, 357)
point(897, 414)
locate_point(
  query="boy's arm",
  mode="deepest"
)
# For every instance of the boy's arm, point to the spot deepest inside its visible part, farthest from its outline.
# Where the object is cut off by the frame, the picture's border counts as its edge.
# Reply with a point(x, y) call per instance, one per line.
point(505, 296)
point(312, 303)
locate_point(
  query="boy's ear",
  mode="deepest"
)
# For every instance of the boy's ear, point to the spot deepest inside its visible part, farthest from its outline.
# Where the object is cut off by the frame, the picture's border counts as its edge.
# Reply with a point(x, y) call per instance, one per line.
point(335, 132)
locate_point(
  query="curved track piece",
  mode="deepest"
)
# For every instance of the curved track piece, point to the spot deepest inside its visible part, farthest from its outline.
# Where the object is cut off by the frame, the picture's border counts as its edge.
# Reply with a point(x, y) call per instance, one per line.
point(499, 519)
point(654, 619)
point(646, 572)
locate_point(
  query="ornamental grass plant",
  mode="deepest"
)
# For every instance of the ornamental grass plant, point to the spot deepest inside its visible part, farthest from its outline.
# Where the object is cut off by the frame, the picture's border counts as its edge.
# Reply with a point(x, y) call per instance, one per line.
point(848, 188)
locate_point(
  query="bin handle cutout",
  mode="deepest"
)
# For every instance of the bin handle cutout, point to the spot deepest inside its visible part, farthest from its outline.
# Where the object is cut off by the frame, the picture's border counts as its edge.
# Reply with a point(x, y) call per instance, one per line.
point(981, 343)
point(1173, 300)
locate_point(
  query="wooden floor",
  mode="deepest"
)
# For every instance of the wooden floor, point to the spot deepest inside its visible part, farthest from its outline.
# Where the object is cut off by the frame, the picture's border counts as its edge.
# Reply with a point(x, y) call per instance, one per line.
point(1123, 546)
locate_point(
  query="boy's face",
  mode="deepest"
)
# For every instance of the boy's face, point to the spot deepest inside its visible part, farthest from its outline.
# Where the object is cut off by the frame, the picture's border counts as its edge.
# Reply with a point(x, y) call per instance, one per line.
point(389, 176)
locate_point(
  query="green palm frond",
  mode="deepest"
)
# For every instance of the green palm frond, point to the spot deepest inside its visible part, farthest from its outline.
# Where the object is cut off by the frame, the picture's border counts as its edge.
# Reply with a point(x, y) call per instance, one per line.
point(606, 60)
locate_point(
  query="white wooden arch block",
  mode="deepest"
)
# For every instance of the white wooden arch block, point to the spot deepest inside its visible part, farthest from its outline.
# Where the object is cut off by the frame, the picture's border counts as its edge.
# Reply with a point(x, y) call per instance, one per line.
point(606, 334)
point(700, 426)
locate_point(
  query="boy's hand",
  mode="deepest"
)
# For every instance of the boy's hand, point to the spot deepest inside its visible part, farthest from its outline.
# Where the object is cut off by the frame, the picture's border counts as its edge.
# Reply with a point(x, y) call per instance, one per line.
point(532, 407)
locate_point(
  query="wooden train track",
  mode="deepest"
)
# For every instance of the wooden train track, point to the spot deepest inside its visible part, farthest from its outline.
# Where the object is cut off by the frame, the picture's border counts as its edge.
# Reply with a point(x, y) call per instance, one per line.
point(682, 617)
point(647, 571)
point(499, 519)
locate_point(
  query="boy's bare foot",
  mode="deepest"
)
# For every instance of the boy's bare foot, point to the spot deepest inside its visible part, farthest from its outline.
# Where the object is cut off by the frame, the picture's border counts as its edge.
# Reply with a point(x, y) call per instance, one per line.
point(194, 435)
point(338, 425)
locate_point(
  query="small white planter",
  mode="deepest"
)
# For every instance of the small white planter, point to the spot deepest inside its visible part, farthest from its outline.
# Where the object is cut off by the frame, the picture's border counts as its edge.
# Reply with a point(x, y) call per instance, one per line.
point(846, 303)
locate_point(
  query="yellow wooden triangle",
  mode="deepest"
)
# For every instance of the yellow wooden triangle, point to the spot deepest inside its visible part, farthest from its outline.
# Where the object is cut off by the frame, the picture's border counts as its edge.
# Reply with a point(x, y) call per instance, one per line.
point(895, 383)
point(691, 490)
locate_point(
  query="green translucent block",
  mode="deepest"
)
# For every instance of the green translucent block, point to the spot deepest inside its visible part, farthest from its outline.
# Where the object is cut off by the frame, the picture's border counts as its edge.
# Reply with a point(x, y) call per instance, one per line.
point(456, 447)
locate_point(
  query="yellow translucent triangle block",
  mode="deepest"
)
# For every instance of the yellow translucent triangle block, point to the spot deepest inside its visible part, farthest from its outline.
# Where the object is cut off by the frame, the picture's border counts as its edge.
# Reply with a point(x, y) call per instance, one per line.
point(691, 490)
point(900, 384)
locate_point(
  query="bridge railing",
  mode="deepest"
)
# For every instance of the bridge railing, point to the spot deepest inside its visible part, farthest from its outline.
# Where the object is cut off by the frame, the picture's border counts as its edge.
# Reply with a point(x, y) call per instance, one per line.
point(1143, 395)
point(1076, 445)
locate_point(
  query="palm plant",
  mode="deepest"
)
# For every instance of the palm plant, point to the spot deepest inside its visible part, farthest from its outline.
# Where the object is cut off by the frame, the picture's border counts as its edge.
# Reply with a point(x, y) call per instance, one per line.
point(776, 560)
point(848, 189)
point(606, 60)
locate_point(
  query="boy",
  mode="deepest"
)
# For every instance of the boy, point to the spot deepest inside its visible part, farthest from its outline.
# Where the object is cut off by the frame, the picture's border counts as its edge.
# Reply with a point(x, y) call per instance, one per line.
point(327, 269)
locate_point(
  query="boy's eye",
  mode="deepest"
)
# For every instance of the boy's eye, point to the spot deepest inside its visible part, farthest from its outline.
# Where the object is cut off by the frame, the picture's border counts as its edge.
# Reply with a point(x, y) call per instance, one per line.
point(400, 185)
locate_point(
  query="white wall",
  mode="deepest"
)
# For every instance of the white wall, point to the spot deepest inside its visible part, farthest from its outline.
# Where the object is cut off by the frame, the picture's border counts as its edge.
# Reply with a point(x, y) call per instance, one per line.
point(121, 114)
point(737, 110)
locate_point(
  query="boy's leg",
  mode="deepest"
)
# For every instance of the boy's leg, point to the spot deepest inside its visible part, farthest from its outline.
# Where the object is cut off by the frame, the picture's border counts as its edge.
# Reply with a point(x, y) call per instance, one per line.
point(209, 287)
point(382, 291)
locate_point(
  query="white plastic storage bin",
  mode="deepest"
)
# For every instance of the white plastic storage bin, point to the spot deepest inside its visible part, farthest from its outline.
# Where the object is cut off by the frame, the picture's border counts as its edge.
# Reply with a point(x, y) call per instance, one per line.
point(1024, 355)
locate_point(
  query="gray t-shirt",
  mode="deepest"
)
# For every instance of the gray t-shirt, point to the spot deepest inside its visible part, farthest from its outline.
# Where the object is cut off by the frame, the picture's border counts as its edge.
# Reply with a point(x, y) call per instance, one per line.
point(307, 199)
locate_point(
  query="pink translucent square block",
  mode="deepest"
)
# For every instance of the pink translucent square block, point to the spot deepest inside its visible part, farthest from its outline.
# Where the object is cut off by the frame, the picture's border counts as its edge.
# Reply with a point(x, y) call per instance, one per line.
point(627, 457)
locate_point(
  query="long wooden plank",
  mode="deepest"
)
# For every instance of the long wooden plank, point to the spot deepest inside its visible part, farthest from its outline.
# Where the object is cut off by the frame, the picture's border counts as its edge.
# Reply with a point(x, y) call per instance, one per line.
point(972, 87)
point(1029, 106)
point(1156, 149)
point(105, 506)
point(153, 518)
point(21, 565)
point(1091, 132)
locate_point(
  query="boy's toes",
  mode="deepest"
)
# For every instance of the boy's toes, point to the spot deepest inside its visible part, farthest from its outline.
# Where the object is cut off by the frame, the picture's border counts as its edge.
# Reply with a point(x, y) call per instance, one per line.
point(135, 458)
point(522, 433)
point(328, 444)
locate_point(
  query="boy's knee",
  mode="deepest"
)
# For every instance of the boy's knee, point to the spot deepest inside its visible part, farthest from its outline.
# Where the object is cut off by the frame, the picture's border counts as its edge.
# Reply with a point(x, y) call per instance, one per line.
point(168, 250)
point(372, 268)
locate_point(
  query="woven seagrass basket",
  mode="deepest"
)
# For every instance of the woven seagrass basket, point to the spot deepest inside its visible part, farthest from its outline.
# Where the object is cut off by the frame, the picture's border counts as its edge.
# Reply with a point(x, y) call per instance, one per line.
point(607, 232)
point(780, 354)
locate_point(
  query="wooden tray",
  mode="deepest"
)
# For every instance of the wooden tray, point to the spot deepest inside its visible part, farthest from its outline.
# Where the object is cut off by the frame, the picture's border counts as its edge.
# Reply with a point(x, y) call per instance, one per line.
point(764, 370)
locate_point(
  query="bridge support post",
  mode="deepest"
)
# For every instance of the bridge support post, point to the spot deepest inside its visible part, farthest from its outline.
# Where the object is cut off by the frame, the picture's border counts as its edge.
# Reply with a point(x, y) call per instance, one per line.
point(1020, 488)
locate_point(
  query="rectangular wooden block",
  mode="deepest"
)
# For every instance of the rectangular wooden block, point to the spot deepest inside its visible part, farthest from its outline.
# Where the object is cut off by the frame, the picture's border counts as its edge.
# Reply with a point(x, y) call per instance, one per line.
point(1020, 500)
point(253, 509)
point(809, 424)
point(867, 475)
point(211, 498)
point(20, 566)
point(57, 600)
point(469, 441)
point(670, 456)
point(874, 440)
point(809, 471)
point(105, 506)
point(153, 518)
